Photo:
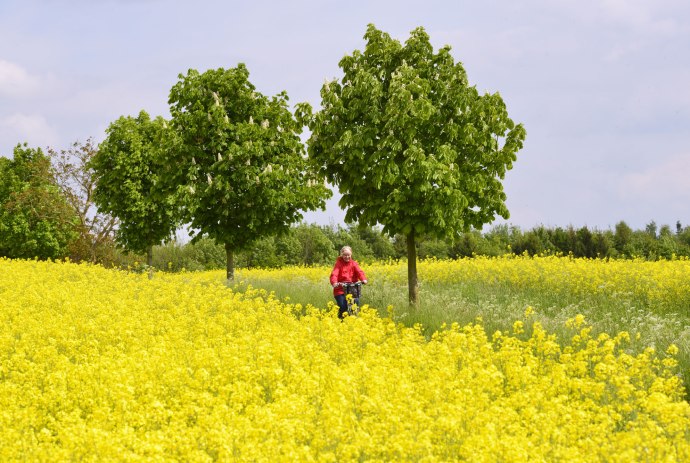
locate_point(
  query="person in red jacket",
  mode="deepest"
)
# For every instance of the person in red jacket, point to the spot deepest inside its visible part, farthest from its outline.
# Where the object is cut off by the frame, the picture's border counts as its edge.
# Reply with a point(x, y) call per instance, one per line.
point(345, 270)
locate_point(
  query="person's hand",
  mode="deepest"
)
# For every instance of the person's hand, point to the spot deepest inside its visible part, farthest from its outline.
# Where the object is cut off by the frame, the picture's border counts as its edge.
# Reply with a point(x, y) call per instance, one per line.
point(364, 282)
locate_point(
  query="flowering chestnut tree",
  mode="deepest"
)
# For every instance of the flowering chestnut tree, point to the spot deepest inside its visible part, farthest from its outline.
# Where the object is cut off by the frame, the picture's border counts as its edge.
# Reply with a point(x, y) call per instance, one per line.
point(241, 164)
point(128, 169)
point(410, 144)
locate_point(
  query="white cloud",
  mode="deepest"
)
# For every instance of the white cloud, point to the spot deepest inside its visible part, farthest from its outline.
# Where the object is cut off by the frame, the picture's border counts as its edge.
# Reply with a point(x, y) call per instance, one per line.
point(638, 15)
point(20, 128)
point(626, 11)
point(16, 81)
point(667, 180)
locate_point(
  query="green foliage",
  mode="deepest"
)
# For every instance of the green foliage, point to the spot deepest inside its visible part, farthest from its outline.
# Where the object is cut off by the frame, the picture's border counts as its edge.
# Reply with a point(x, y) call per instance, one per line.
point(35, 219)
point(289, 247)
point(434, 247)
point(304, 244)
point(380, 245)
point(581, 242)
point(409, 143)
point(128, 169)
point(340, 237)
point(467, 245)
point(243, 173)
point(204, 254)
point(498, 240)
point(683, 235)
point(263, 254)
point(622, 237)
point(315, 245)
point(77, 181)
point(310, 244)
point(528, 242)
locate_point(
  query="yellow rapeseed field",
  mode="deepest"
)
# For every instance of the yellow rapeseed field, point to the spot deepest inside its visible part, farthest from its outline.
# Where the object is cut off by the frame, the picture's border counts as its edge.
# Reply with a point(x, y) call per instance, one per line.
point(661, 285)
point(101, 365)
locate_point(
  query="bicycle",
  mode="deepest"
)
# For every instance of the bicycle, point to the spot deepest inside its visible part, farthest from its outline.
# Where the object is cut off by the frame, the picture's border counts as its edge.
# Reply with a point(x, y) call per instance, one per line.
point(353, 291)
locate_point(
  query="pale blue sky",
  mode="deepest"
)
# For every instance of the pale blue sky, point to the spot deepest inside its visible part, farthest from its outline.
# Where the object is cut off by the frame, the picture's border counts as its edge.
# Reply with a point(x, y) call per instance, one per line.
point(602, 87)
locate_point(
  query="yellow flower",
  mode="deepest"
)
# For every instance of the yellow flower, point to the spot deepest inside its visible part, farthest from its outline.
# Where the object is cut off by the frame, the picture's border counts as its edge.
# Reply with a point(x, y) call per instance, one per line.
point(103, 365)
point(529, 311)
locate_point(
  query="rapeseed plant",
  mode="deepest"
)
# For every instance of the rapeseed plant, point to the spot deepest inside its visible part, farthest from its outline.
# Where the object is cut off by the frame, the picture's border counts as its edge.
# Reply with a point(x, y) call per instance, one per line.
point(101, 365)
point(650, 300)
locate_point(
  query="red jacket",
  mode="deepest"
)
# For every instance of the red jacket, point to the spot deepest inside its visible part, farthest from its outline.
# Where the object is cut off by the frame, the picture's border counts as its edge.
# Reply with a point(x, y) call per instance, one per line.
point(345, 272)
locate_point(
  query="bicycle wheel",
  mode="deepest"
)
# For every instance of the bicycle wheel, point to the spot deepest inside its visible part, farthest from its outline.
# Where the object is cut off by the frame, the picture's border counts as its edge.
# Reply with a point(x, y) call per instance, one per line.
point(352, 309)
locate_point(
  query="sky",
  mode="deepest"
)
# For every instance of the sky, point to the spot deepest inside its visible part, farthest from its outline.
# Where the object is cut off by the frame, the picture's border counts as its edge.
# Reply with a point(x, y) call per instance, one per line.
point(601, 86)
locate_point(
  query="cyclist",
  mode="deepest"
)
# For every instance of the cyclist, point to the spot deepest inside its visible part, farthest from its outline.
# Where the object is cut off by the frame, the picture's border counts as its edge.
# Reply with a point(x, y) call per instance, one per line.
point(345, 270)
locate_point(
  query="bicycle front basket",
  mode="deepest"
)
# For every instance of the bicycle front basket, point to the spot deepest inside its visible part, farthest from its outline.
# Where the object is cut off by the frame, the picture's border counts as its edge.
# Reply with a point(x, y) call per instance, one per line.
point(355, 290)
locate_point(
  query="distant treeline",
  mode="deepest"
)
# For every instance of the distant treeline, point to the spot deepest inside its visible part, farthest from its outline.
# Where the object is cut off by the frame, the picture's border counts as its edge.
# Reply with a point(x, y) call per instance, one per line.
point(311, 244)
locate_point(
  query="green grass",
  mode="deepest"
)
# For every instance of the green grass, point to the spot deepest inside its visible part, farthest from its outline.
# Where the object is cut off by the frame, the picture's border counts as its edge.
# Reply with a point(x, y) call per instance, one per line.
point(498, 306)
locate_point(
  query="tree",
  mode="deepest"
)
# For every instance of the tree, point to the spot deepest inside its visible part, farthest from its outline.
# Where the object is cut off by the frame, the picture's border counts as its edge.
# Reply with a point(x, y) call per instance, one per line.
point(410, 144)
point(128, 168)
point(622, 237)
point(75, 177)
point(340, 237)
point(499, 239)
point(243, 170)
point(380, 244)
point(684, 236)
point(35, 218)
point(529, 243)
point(433, 248)
point(316, 246)
point(289, 246)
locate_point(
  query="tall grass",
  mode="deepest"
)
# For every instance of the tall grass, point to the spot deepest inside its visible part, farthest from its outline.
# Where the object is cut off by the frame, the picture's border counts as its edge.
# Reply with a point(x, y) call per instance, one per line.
point(102, 365)
point(630, 298)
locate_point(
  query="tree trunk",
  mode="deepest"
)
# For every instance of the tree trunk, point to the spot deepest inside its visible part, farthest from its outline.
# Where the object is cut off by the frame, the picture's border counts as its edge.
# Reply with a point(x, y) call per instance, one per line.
point(230, 267)
point(412, 283)
point(149, 261)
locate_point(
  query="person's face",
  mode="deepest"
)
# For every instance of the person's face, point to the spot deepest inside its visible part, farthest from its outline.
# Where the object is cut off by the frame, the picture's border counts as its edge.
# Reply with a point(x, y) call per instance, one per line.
point(346, 255)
